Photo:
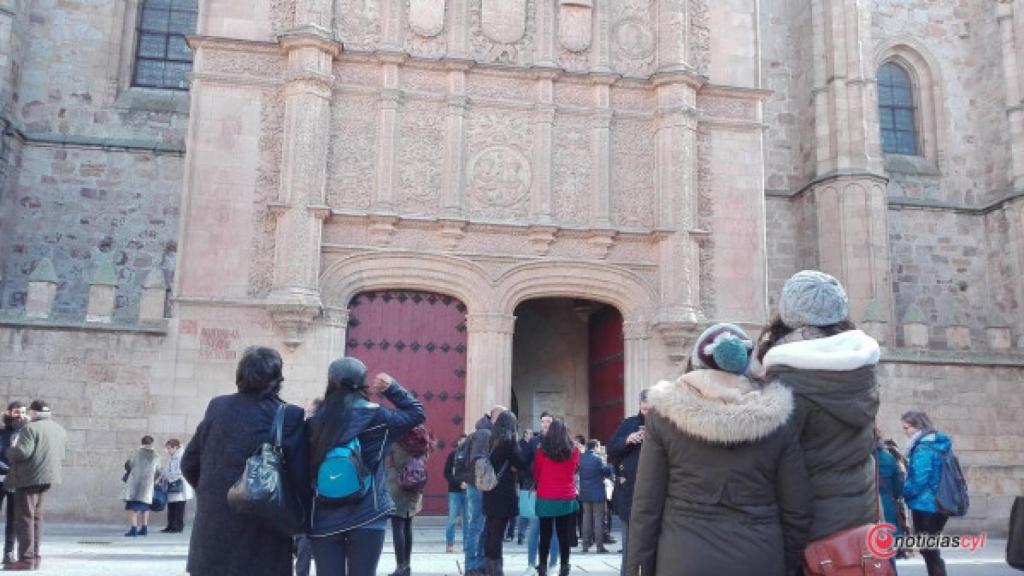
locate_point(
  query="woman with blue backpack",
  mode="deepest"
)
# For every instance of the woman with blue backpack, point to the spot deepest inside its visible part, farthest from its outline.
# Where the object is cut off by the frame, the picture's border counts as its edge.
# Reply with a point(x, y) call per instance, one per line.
point(926, 450)
point(350, 436)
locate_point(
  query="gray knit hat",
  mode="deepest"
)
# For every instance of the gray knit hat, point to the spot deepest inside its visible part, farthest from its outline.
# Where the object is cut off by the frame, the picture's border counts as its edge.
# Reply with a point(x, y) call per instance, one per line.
point(813, 298)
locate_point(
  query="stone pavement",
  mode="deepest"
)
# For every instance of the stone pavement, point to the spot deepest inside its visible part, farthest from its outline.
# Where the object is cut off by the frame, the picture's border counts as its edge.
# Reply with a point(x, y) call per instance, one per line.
point(101, 550)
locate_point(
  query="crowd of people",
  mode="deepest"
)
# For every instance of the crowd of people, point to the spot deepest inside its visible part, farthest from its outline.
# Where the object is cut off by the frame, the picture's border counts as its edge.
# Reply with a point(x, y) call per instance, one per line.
point(761, 451)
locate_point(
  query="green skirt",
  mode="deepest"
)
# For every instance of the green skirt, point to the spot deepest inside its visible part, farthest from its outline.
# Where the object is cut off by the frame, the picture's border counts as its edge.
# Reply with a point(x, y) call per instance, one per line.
point(552, 508)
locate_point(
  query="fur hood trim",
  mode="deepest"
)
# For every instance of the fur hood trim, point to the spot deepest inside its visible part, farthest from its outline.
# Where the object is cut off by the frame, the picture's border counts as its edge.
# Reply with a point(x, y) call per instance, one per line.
point(840, 353)
point(720, 407)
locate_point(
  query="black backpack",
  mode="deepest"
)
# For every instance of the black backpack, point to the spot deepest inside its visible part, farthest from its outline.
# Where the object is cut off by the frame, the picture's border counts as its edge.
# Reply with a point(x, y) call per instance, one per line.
point(460, 464)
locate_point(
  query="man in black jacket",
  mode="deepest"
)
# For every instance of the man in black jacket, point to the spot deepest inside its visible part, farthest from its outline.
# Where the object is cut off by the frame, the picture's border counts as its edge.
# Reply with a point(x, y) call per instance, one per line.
point(14, 419)
point(456, 495)
point(624, 449)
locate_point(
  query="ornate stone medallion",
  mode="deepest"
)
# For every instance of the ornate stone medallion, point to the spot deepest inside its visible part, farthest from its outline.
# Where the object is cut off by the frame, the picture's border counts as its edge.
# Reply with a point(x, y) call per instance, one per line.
point(500, 176)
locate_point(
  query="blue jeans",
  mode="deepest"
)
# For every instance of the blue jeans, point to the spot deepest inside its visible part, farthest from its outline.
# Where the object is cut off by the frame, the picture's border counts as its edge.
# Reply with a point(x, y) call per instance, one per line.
point(472, 538)
point(352, 553)
point(456, 508)
point(533, 540)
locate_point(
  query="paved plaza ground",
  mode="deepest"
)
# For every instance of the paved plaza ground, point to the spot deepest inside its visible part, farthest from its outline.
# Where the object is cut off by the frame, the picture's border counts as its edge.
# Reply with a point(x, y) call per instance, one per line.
point(99, 550)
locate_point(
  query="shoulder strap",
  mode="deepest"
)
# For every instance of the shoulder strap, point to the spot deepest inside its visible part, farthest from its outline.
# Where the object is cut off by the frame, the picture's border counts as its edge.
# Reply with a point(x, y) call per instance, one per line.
point(278, 428)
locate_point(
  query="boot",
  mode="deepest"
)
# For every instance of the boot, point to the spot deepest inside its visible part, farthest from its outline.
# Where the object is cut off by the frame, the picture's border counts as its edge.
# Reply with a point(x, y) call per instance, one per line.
point(938, 569)
point(9, 558)
point(132, 533)
point(494, 568)
point(542, 569)
point(144, 531)
point(563, 570)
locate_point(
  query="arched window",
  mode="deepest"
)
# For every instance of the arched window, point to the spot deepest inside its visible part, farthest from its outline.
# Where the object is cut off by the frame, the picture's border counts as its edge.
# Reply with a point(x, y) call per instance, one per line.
point(162, 58)
point(896, 113)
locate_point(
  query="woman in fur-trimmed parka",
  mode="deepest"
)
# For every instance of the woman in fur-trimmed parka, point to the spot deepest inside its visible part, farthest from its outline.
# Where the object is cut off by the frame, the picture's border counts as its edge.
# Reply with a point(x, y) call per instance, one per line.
point(721, 487)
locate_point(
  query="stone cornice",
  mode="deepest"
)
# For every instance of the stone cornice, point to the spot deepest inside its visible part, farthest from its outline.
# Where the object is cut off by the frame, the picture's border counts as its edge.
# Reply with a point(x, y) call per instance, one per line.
point(737, 92)
point(149, 329)
point(900, 203)
point(232, 44)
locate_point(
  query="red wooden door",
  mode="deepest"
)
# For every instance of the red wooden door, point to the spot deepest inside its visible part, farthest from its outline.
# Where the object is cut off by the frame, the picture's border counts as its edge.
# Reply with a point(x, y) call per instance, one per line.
point(420, 339)
point(606, 373)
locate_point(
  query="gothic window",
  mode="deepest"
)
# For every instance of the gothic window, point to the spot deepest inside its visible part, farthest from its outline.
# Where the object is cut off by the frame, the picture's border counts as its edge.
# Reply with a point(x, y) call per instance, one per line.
point(896, 110)
point(162, 58)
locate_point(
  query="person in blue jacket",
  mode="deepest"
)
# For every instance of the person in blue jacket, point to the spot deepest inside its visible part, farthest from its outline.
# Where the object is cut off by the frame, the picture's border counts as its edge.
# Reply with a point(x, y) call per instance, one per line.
point(593, 471)
point(925, 452)
point(890, 486)
point(348, 538)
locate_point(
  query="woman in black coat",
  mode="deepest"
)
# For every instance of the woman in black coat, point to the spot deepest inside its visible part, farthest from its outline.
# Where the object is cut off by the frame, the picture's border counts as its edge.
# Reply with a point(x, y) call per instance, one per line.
point(501, 504)
point(223, 543)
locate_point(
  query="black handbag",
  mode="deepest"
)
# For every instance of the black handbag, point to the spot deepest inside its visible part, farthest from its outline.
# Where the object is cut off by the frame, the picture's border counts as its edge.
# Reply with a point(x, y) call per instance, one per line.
point(262, 491)
point(1015, 541)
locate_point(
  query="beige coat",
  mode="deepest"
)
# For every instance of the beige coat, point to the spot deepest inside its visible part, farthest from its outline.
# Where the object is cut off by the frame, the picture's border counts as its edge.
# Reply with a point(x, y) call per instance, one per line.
point(407, 504)
point(145, 468)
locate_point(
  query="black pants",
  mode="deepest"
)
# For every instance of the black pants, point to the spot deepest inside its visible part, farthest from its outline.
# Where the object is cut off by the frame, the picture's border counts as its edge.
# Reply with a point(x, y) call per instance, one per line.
point(563, 526)
point(9, 525)
point(352, 553)
point(176, 516)
point(494, 532)
point(929, 523)
point(401, 533)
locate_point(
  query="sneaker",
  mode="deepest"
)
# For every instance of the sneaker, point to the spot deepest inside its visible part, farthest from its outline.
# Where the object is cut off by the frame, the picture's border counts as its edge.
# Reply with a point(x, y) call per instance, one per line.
point(10, 558)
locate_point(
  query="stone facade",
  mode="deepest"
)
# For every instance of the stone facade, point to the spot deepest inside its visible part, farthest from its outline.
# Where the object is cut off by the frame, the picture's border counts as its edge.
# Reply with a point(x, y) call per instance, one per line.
point(675, 159)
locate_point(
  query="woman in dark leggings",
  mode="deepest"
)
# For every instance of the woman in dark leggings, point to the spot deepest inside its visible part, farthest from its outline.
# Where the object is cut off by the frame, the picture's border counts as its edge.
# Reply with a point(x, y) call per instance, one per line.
point(408, 501)
point(554, 469)
point(501, 504)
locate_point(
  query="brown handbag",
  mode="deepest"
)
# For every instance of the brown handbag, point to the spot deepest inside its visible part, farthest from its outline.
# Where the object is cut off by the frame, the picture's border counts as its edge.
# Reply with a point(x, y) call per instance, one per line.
point(846, 553)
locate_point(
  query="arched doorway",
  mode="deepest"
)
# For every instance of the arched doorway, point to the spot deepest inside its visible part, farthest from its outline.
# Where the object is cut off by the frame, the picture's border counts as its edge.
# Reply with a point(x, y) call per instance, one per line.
point(567, 359)
point(420, 339)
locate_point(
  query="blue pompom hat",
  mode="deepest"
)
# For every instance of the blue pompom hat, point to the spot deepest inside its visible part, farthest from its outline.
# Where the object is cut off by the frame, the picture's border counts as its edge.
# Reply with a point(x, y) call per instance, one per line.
point(722, 346)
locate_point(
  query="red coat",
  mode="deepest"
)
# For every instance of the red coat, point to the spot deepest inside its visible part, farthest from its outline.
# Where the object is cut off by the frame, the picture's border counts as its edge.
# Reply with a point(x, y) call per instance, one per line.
point(556, 480)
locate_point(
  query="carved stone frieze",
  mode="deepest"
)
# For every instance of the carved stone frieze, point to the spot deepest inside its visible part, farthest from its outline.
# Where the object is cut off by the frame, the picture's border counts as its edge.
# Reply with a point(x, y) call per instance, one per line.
point(424, 80)
point(699, 35)
point(351, 164)
point(705, 221)
point(574, 94)
point(633, 38)
point(575, 24)
point(262, 65)
point(421, 157)
point(426, 17)
point(723, 107)
point(499, 87)
point(572, 170)
point(282, 15)
point(633, 173)
point(633, 99)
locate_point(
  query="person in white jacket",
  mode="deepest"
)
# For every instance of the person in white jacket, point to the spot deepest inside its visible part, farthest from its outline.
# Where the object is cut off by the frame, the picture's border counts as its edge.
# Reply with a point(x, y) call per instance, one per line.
point(178, 490)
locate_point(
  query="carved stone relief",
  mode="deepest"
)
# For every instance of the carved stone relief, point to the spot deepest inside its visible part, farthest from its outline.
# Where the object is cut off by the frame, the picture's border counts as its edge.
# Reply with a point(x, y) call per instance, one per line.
point(420, 157)
point(358, 23)
point(265, 65)
point(633, 99)
point(268, 181)
point(633, 37)
point(428, 81)
point(351, 165)
point(498, 172)
point(572, 170)
point(575, 24)
point(577, 95)
point(426, 17)
point(705, 219)
point(503, 21)
point(632, 187)
point(502, 31)
point(357, 74)
point(282, 15)
point(700, 35)
point(424, 37)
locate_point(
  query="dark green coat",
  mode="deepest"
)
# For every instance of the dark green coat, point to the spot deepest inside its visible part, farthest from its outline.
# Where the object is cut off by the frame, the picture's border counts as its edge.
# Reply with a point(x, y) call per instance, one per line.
point(836, 392)
point(721, 488)
point(38, 455)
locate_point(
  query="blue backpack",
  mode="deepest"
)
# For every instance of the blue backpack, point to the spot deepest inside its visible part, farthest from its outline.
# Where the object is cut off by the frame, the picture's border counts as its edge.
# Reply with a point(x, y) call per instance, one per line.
point(342, 477)
point(951, 497)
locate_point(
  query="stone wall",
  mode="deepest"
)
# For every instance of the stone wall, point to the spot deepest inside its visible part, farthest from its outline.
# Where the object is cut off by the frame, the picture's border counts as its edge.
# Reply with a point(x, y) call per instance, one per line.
point(939, 265)
point(92, 165)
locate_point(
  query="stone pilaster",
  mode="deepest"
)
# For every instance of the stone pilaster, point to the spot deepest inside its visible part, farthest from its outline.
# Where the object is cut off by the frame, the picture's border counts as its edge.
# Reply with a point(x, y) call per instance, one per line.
point(385, 199)
point(673, 34)
point(301, 205)
point(675, 190)
point(849, 188)
point(543, 127)
point(335, 322)
point(601, 175)
point(102, 291)
point(455, 149)
point(1010, 36)
point(42, 289)
point(154, 297)
point(637, 337)
point(545, 35)
point(489, 364)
